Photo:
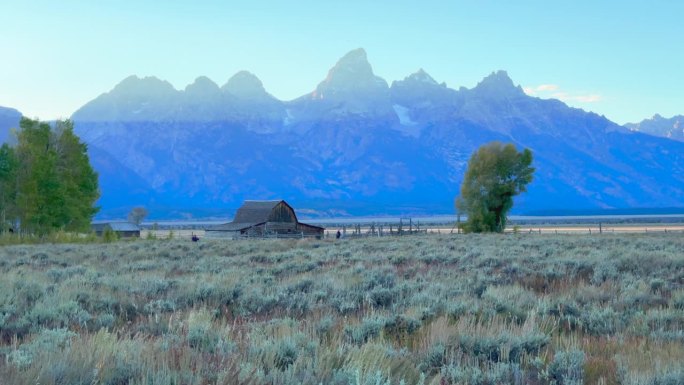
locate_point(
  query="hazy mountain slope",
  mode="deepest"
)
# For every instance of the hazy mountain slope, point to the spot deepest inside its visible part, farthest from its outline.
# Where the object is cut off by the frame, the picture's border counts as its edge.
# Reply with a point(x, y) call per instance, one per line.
point(356, 145)
point(9, 119)
point(120, 188)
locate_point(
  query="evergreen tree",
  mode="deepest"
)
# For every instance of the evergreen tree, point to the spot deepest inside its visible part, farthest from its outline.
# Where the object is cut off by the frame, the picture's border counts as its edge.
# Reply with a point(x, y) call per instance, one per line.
point(496, 173)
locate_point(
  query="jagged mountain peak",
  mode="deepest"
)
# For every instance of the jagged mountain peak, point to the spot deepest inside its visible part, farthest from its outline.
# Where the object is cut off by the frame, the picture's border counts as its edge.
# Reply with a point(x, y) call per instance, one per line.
point(422, 77)
point(657, 117)
point(353, 66)
point(499, 76)
point(355, 58)
point(672, 128)
point(498, 85)
point(351, 75)
point(202, 82)
point(422, 92)
point(145, 85)
point(418, 80)
point(133, 99)
point(202, 86)
point(245, 84)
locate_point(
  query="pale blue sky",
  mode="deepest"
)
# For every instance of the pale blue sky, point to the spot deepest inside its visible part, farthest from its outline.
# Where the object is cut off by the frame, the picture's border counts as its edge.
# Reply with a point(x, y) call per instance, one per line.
point(622, 59)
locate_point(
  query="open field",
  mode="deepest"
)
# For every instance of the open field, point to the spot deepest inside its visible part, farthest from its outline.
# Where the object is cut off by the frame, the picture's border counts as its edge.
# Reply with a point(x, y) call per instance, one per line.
point(448, 229)
point(429, 309)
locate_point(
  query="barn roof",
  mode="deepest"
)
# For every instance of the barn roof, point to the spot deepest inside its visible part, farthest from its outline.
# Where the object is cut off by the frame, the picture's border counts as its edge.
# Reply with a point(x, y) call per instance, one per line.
point(311, 226)
point(124, 226)
point(115, 226)
point(255, 211)
point(232, 226)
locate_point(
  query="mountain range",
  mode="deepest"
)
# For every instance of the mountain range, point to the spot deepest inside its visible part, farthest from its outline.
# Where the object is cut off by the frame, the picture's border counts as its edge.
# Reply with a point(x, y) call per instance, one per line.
point(356, 145)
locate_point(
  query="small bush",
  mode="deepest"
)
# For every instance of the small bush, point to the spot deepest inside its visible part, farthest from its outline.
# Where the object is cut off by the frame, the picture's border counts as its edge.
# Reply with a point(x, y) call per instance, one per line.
point(487, 374)
point(368, 329)
point(286, 354)
point(400, 325)
point(200, 334)
point(435, 358)
point(109, 236)
point(604, 271)
point(567, 367)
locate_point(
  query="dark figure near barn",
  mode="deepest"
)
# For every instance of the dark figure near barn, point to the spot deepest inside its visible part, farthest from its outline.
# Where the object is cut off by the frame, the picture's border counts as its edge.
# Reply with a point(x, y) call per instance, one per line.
point(338, 235)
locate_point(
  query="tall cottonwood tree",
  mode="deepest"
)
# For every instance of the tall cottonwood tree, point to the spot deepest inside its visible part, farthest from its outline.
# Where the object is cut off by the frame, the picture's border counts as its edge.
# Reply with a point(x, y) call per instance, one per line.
point(8, 186)
point(38, 196)
point(56, 187)
point(79, 180)
point(137, 214)
point(496, 173)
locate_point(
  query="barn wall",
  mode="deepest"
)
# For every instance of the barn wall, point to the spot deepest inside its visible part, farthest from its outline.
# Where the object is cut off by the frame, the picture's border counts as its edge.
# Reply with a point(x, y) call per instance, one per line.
point(281, 227)
point(222, 234)
point(310, 230)
point(254, 231)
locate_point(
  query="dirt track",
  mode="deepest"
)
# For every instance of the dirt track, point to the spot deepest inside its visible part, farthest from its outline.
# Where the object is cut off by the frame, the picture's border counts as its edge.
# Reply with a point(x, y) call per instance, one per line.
point(559, 229)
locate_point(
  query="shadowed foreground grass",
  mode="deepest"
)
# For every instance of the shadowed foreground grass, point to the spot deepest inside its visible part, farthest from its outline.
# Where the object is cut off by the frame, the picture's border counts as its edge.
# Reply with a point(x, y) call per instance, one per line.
point(476, 309)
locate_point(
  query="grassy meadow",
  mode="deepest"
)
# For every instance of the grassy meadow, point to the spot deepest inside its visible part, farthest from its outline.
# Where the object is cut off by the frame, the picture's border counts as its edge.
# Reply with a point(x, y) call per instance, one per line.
point(430, 309)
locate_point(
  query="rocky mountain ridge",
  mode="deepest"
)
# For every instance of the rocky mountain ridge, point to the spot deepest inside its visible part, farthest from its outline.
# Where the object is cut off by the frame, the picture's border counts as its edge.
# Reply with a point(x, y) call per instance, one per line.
point(672, 128)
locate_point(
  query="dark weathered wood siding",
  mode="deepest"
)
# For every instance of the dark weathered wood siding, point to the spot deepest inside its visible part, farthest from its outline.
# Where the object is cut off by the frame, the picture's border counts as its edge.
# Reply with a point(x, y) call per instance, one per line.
point(309, 230)
point(129, 234)
point(282, 213)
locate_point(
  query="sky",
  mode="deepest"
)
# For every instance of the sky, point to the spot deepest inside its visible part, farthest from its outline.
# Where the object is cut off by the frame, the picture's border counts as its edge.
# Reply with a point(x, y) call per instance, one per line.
point(621, 59)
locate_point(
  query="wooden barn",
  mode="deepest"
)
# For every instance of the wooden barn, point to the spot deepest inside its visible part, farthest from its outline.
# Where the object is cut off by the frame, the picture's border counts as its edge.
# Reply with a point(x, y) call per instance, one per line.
point(122, 229)
point(264, 219)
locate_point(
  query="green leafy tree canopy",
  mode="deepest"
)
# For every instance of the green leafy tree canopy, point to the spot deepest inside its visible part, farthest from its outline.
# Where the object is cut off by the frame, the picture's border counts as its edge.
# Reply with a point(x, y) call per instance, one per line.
point(496, 173)
point(53, 184)
point(8, 188)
